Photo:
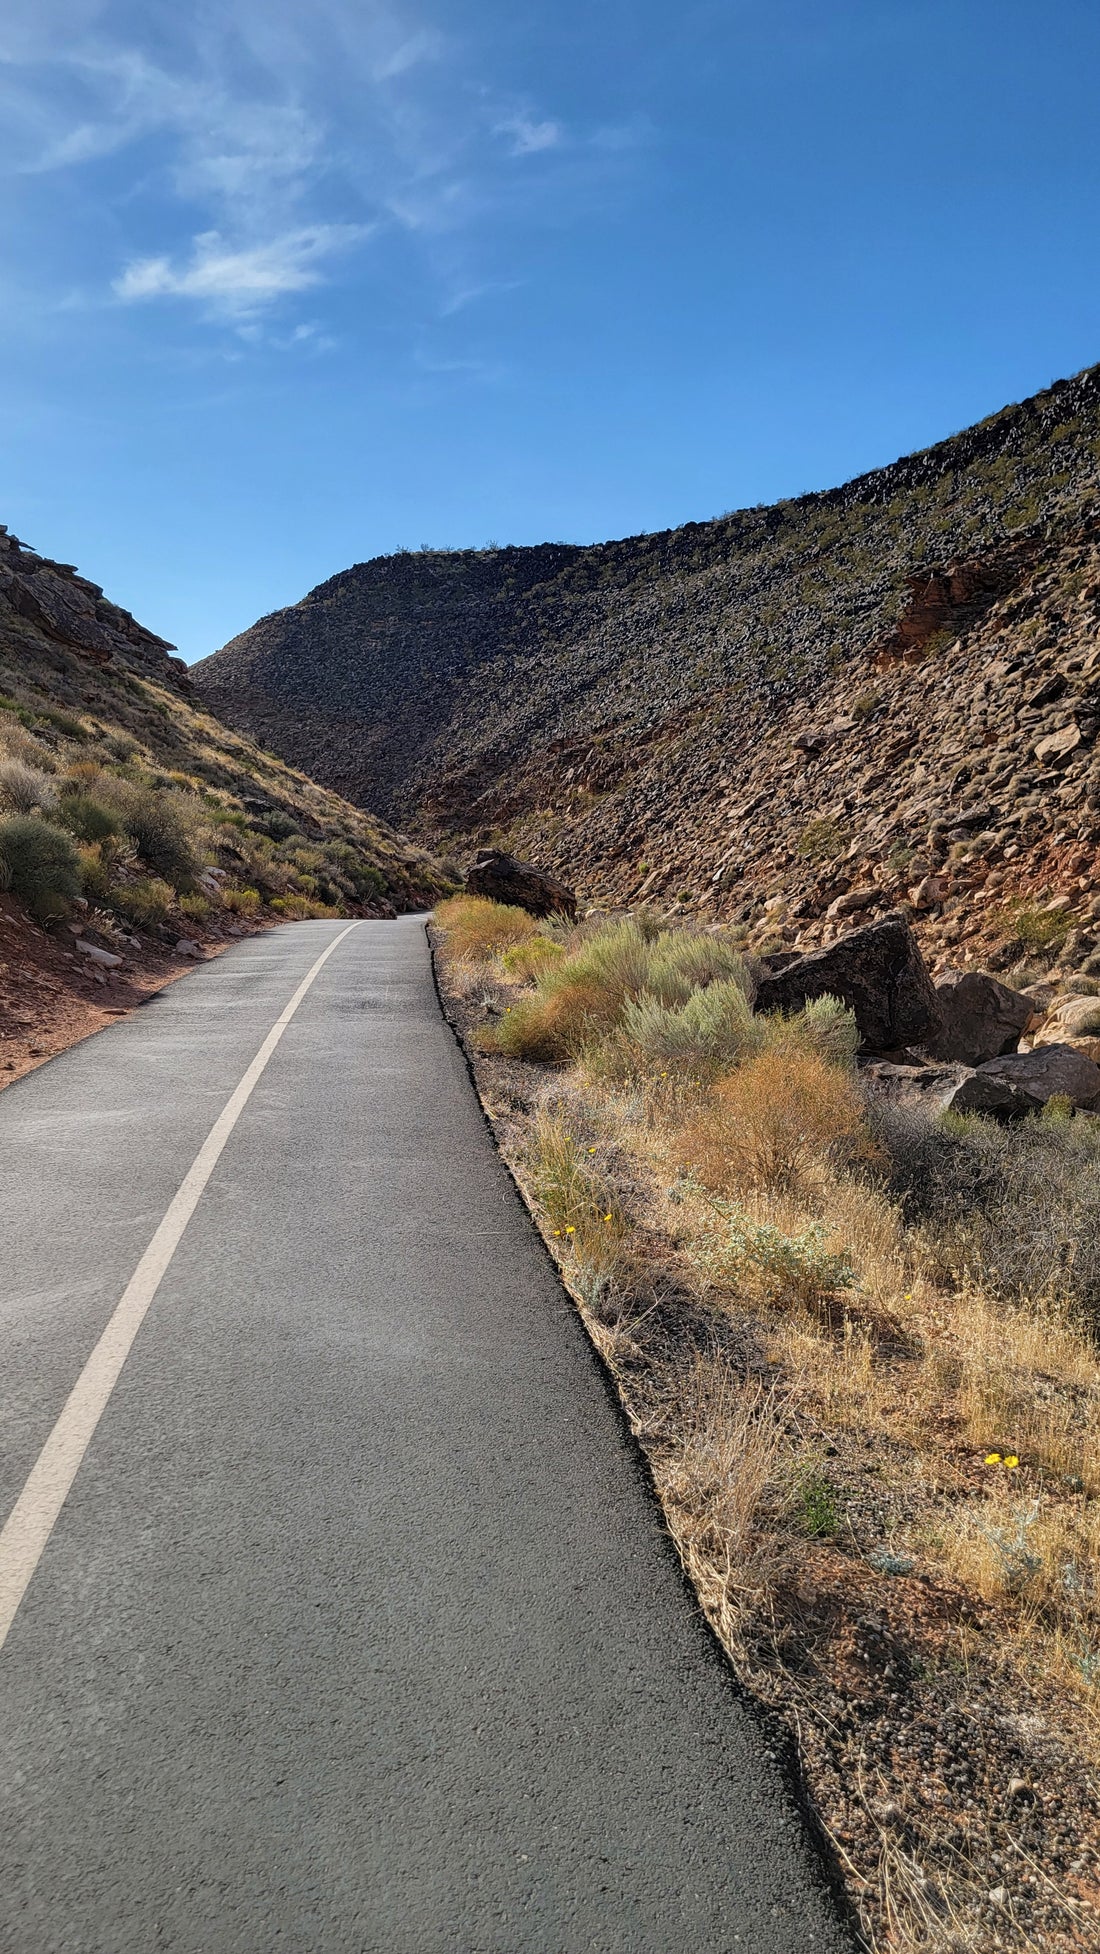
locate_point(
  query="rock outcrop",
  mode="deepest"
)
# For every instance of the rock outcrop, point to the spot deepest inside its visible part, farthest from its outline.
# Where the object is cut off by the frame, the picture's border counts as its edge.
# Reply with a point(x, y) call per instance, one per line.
point(501, 878)
point(1025, 1082)
point(878, 972)
point(982, 1019)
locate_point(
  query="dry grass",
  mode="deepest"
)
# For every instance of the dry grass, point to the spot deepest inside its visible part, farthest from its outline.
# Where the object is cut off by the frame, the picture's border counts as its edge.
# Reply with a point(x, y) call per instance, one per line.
point(775, 1120)
point(477, 931)
point(821, 1380)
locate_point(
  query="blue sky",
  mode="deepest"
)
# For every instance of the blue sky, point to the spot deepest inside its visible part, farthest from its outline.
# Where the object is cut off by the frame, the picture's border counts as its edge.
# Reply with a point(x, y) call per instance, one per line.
point(291, 282)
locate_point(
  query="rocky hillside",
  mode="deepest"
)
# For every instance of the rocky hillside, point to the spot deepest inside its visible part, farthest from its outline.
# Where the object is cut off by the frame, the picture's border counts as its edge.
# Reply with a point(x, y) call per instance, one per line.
point(135, 829)
point(842, 695)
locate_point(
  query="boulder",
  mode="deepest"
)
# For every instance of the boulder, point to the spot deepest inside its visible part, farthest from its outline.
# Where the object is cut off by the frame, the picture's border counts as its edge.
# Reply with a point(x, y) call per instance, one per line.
point(1022, 1082)
point(1074, 1022)
point(501, 878)
point(878, 972)
point(106, 958)
point(982, 1019)
point(913, 1085)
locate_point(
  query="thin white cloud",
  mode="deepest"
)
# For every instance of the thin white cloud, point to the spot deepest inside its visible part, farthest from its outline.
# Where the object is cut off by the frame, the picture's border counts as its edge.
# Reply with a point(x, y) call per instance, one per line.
point(530, 136)
point(237, 283)
point(255, 131)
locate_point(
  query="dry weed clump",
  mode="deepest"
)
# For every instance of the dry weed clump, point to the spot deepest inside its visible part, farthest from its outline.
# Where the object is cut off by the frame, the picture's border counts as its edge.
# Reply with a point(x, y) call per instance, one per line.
point(584, 1217)
point(781, 1116)
point(478, 930)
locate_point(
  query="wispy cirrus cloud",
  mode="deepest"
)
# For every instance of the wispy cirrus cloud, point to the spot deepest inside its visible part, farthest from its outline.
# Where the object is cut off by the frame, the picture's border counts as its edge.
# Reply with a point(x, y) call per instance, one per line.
point(253, 148)
point(239, 282)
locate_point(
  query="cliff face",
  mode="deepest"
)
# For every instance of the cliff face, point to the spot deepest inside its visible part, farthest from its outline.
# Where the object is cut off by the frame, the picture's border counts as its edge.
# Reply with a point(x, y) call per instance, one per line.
point(41, 599)
point(654, 713)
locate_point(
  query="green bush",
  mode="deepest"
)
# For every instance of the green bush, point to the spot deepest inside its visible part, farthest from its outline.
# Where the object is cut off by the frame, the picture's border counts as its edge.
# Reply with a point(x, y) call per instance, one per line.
point(87, 818)
point(42, 865)
point(713, 1030)
point(145, 902)
point(160, 827)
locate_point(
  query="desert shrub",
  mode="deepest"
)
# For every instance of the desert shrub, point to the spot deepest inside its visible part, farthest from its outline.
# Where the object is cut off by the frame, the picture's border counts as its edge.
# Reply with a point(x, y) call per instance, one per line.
point(242, 901)
point(778, 1116)
point(95, 873)
point(1016, 1206)
point(582, 998)
point(87, 818)
point(531, 959)
point(280, 825)
point(776, 1268)
point(355, 875)
point(145, 902)
point(712, 1031)
point(581, 1209)
point(1034, 929)
point(197, 908)
point(551, 1029)
point(25, 788)
point(822, 840)
point(299, 909)
point(626, 959)
point(161, 826)
point(478, 930)
point(42, 865)
point(824, 1026)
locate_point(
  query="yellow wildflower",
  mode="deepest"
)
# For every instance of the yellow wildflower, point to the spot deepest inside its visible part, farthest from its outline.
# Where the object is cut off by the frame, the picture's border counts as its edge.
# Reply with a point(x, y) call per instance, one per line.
point(992, 1459)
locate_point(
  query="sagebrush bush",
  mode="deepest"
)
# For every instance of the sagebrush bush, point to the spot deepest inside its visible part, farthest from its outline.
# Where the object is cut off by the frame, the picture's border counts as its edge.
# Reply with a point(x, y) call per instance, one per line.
point(1015, 1207)
point(25, 788)
point(144, 902)
point(712, 1031)
point(87, 818)
point(42, 865)
point(478, 930)
point(779, 1115)
point(581, 999)
point(529, 960)
point(777, 1267)
point(824, 1026)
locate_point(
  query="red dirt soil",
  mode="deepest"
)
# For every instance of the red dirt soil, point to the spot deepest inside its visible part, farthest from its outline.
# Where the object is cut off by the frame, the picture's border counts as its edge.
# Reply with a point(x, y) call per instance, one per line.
point(52, 997)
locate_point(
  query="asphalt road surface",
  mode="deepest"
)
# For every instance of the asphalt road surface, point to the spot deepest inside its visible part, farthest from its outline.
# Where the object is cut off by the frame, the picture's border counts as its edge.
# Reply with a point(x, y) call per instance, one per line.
point(342, 1620)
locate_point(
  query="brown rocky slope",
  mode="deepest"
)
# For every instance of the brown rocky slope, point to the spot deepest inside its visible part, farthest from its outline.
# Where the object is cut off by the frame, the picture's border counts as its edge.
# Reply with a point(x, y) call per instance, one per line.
point(882, 688)
point(179, 833)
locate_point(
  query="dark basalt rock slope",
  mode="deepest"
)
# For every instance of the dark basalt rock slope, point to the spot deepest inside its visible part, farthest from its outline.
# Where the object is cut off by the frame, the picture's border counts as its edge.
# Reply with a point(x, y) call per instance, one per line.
point(499, 695)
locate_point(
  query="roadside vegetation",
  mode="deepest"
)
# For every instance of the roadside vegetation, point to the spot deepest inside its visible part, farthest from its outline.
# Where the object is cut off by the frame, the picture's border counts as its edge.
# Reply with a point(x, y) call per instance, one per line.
point(861, 1349)
point(144, 815)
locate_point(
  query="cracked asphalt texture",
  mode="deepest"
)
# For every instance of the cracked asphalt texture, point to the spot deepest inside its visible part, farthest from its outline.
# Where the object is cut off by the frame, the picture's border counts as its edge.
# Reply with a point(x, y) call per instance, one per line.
point(360, 1629)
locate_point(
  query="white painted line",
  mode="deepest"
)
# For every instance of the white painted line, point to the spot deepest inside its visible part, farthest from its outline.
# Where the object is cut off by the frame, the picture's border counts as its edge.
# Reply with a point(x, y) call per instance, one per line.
point(34, 1515)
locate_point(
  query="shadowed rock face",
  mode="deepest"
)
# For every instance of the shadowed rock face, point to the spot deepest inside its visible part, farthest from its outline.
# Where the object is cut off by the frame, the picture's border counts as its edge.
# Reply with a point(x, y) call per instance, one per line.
point(1023, 1082)
point(501, 878)
point(877, 972)
point(981, 1018)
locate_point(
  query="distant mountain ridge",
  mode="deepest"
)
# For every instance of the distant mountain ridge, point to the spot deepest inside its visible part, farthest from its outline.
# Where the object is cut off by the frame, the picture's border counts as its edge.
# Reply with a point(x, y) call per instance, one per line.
point(604, 706)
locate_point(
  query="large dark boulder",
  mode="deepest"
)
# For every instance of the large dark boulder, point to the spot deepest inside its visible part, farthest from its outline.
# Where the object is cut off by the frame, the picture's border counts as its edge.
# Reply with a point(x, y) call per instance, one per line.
point(878, 972)
point(982, 1019)
point(502, 878)
point(1022, 1082)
